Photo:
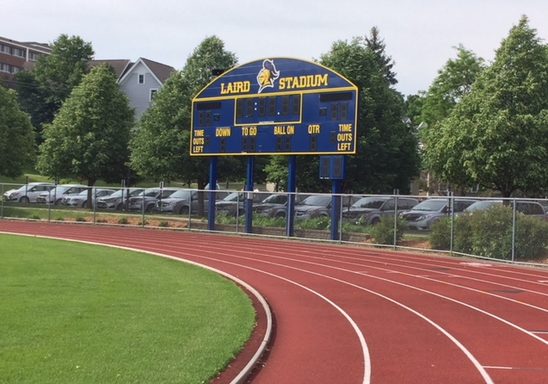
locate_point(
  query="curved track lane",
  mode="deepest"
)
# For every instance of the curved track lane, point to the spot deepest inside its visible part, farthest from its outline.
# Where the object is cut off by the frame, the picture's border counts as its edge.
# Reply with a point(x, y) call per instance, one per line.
point(352, 315)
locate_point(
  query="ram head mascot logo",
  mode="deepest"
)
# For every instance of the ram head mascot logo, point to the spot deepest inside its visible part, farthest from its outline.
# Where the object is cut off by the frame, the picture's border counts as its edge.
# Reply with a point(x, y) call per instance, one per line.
point(267, 75)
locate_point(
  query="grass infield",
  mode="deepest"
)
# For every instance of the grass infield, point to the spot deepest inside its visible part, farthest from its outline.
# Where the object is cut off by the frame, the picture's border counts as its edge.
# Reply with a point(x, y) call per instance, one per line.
point(76, 313)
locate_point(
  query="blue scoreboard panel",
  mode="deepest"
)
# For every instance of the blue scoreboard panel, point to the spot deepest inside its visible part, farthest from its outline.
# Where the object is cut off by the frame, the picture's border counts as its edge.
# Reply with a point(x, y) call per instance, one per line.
point(275, 106)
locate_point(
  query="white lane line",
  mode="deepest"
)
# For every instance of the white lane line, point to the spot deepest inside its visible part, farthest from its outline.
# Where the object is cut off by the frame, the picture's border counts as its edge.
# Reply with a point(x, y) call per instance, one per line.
point(363, 344)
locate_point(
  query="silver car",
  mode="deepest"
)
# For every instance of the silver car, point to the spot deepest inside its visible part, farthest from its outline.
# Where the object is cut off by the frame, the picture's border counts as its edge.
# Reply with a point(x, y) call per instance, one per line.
point(28, 193)
point(119, 199)
point(55, 195)
point(81, 199)
point(425, 214)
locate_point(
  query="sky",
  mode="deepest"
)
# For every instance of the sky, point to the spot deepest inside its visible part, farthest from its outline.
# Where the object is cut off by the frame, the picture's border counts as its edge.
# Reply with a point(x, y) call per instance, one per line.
point(420, 35)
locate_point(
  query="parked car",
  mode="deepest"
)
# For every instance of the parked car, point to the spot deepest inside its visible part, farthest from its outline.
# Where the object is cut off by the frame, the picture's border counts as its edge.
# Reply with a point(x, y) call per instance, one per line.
point(425, 214)
point(28, 193)
point(184, 201)
point(370, 209)
point(55, 195)
point(234, 203)
point(148, 198)
point(274, 205)
point(118, 199)
point(313, 206)
point(526, 207)
point(81, 199)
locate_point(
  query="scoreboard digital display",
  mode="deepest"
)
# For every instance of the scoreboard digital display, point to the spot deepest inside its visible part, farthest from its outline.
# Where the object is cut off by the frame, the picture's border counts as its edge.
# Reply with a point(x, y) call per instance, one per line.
point(275, 106)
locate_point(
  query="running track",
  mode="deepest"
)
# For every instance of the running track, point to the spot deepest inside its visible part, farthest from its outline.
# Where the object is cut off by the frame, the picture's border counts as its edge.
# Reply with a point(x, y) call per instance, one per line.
point(352, 315)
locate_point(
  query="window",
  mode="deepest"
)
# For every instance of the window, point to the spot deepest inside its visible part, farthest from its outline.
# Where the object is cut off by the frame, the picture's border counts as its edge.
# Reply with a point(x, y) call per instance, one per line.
point(141, 79)
point(153, 93)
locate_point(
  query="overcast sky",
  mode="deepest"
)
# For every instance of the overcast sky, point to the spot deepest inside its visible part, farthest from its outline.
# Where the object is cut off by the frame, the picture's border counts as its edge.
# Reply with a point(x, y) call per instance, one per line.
point(419, 34)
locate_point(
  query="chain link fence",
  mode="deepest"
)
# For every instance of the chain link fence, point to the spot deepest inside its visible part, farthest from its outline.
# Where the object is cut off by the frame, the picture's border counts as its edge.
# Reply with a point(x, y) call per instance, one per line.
point(513, 230)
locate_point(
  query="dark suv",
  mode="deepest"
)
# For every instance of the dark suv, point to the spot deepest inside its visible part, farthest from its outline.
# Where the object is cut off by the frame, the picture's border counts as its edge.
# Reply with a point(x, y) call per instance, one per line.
point(370, 209)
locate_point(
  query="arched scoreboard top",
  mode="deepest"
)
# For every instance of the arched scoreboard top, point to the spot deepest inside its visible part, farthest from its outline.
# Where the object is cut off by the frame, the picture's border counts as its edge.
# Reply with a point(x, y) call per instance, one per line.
point(275, 106)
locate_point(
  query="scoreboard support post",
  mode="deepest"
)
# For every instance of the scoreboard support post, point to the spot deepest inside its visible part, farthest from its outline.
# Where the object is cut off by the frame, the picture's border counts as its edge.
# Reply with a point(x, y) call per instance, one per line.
point(291, 188)
point(249, 195)
point(336, 188)
point(212, 193)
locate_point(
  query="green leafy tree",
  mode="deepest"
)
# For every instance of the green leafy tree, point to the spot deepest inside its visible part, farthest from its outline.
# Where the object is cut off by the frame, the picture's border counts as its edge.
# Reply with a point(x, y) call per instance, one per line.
point(454, 81)
point(88, 139)
point(387, 155)
point(501, 128)
point(160, 147)
point(16, 136)
point(43, 91)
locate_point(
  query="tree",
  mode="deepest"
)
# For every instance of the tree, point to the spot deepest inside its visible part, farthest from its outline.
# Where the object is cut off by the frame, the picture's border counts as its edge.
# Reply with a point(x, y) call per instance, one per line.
point(387, 155)
point(453, 82)
point(160, 146)
point(88, 139)
point(43, 91)
point(501, 127)
point(16, 136)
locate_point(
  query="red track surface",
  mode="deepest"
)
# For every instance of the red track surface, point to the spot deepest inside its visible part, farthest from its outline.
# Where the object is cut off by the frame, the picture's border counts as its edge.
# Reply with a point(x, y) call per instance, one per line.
point(352, 315)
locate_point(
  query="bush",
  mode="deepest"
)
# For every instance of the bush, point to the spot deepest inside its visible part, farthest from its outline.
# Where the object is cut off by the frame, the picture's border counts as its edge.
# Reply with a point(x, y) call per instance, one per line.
point(80, 219)
point(315, 223)
point(163, 224)
point(383, 232)
point(489, 234)
point(123, 220)
point(440, 237)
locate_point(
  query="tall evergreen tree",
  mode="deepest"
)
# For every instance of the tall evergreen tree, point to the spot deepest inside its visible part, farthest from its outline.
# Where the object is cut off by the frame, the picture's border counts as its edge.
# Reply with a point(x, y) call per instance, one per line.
point(387, 147)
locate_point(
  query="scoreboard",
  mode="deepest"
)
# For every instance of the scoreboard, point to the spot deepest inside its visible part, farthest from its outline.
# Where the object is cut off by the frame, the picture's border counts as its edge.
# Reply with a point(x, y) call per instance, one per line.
point(275, 106)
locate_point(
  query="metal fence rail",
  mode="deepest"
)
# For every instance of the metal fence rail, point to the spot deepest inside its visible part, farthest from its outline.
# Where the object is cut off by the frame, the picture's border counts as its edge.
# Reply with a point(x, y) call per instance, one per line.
point(431, 224)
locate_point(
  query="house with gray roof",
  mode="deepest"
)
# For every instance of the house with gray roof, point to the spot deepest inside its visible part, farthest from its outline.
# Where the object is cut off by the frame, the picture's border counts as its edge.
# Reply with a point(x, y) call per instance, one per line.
point(140, 81)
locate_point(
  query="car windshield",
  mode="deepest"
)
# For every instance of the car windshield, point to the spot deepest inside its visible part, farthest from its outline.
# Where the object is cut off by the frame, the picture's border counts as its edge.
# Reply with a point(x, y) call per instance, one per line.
point(275, 199)
point(181, 194)
point(320, 200)
point(430, 205)
point(232, 196)
point(120, 192)
point(369, 202)
point(482, 205)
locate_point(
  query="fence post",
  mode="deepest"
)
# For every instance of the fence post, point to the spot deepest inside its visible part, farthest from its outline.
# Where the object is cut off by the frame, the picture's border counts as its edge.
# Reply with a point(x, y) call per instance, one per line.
point(143, 210)
point(513, 230)
point(452, 221)
point(2, 197)
point(238, 213)
point(341, 201)
point(49, 204)
point(395, 241)
point(93, 203)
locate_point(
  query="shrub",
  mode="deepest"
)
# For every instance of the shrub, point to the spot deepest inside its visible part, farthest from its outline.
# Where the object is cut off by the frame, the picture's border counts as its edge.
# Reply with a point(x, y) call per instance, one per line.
point(35, 217)
point(102, 221)
point(489, 234)
point(315, 223)
point(60, 218)
point(440, 237)
point(383, 232)
point(163, 224)
point(123, 220)
point(80, 219)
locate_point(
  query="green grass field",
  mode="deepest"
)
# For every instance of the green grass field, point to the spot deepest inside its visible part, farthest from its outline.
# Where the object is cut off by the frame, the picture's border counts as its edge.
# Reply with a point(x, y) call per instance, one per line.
point(76, 313)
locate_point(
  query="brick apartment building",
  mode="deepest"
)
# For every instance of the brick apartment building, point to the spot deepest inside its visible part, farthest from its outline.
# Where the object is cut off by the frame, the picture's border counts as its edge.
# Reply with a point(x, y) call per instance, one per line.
point(16, 56)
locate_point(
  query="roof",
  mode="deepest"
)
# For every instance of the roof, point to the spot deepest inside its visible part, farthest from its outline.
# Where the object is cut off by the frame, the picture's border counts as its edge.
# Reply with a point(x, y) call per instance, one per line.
point(161, 71)
point(40, 47)
point(120, 66)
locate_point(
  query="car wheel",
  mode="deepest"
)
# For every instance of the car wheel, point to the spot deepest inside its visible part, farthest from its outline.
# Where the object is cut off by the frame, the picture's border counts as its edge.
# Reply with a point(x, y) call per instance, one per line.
point(149, 207)
point(375, 221)
point(183, 210)
point(58, 201)
point(84, 204)
point(119, 207)
point(280, 215)
point(24, 200)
